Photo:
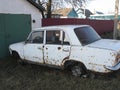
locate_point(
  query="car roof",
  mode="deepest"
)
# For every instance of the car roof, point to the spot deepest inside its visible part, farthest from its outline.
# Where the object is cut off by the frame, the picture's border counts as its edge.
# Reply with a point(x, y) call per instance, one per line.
point(69, 29)
point(65, 27)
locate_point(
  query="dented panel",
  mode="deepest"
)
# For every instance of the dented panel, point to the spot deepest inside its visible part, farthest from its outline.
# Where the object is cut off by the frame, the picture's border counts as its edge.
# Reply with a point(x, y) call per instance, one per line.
point(33, 52)
point(55, 54)
point(94, 58)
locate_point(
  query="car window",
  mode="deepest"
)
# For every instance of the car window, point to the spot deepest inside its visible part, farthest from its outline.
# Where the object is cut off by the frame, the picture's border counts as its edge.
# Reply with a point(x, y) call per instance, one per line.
point(86, 35)
point(36, 37)
point(56, 37)
point(65, 39)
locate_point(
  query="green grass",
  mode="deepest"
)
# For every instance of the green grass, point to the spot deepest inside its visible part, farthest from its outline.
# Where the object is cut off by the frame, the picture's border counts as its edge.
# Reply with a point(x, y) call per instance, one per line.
point(33, 77)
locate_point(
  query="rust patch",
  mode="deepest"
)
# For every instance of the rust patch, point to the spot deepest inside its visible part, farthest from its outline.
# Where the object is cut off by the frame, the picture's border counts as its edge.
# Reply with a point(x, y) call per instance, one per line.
point(46, 61)
point(106, 70)
point(95, 64)
point(59, 48)
point(118, 57)
point(81, 49)
point(92, 56)
point(113, 54)
point(47, 57)
point(35, 57)
point(66, 58)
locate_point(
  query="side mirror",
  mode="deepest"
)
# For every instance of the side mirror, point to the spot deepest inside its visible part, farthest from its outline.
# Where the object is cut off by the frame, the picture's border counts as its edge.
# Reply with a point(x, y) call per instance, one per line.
point(26, 41)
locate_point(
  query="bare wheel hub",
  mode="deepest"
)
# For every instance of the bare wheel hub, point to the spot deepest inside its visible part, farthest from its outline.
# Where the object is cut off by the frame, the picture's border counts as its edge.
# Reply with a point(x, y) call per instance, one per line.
point(76, 71)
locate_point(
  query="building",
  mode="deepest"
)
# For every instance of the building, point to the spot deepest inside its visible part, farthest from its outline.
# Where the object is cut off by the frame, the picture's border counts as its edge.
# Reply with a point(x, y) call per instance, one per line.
point(104, 17)
point(65, 13)
point(17, 18)
point(23, 7)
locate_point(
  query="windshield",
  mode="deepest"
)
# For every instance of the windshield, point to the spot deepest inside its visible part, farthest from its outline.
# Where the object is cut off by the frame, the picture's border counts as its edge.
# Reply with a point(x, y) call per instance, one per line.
point(86, 35)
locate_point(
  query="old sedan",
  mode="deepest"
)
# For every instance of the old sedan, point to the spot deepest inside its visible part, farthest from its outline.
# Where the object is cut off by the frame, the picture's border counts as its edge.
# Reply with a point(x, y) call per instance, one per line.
point(77, 47)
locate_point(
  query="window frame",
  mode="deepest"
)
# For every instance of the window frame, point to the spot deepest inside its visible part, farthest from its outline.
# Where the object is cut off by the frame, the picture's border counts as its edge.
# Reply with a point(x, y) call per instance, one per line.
point(62, 41)
point(31, 41)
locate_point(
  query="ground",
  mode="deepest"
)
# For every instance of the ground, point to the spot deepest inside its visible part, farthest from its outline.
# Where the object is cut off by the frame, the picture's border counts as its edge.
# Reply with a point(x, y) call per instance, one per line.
point(14, 76)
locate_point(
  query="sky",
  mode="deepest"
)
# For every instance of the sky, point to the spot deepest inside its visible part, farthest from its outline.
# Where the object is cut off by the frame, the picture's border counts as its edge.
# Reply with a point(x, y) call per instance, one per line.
point(104, 6)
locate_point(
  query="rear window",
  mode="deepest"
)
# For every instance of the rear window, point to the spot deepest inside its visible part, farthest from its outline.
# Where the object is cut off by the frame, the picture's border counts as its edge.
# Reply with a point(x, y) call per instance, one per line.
point(86, 35)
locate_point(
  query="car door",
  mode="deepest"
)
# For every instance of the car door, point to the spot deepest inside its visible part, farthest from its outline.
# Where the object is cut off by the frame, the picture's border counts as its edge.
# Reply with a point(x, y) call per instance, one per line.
point(33, 49)
point(56, 48)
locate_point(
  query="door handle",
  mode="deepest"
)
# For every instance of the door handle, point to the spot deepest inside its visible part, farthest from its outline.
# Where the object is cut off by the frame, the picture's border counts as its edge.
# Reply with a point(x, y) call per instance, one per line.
point(40, 48)
point(66, 50)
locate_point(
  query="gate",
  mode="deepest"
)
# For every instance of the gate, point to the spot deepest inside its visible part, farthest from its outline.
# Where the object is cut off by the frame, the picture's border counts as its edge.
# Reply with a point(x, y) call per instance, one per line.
point(13, 28)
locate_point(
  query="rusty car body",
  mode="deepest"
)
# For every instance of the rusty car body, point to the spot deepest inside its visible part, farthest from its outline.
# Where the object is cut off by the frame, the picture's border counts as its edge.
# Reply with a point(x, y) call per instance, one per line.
point(78, 47)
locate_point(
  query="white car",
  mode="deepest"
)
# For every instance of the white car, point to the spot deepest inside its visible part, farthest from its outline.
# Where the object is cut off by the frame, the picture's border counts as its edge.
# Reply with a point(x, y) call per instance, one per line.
point(77, 47)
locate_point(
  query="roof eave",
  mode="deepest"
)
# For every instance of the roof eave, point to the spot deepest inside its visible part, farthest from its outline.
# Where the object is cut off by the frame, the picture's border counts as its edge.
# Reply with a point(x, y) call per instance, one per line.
point(41, 8)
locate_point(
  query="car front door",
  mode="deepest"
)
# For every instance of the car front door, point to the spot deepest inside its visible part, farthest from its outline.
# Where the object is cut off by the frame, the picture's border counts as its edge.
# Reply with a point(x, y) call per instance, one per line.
point(33, 49)
point(57, 47)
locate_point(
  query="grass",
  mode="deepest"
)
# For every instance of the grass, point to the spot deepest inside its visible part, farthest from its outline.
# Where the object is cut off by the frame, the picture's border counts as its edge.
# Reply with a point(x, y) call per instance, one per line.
point(33, 77)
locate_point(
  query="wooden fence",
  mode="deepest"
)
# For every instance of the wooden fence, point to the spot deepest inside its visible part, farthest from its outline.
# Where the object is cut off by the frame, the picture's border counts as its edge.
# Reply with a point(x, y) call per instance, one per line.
point(101, 26)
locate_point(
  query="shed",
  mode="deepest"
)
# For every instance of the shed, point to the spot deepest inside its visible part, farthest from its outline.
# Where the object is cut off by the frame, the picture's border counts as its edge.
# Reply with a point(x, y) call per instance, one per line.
point(17, 18)
point(65, 13)
point(23, 7)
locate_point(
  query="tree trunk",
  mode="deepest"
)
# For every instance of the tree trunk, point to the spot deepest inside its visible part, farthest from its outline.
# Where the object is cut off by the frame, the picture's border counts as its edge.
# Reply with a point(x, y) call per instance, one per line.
point(116, 31)
point(49, 9)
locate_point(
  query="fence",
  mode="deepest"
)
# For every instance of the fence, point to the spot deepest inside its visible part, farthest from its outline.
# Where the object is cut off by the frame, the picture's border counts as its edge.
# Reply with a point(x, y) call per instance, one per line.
point(101, 26)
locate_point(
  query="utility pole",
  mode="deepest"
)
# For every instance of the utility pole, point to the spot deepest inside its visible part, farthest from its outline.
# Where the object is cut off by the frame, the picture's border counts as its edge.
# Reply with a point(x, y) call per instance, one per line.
point(116, 32)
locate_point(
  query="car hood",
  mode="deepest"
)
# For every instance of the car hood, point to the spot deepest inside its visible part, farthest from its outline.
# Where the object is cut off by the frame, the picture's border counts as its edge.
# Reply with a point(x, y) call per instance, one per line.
point(17, 45)
point(106, 44)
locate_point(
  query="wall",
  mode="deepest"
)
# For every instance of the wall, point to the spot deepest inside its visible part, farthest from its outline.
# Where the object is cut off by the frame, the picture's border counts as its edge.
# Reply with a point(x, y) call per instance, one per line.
point(21, 7)
point(101, 26)
point(72, 14)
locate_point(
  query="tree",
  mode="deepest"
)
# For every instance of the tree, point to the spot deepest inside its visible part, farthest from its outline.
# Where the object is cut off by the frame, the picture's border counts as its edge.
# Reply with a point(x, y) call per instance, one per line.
point(79, 5)
point(47, 5)
point(49, 12)
point(51, 5)
point(76, 3)
point(116, 33)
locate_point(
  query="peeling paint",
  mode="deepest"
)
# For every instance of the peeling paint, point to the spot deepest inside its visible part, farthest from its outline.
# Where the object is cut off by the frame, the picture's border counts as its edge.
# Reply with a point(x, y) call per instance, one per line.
point(59, 48)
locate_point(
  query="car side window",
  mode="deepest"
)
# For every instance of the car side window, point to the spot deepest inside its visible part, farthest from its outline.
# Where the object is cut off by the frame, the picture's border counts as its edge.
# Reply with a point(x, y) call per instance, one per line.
point(56, 37)
point(36, 37)
point(65, 39)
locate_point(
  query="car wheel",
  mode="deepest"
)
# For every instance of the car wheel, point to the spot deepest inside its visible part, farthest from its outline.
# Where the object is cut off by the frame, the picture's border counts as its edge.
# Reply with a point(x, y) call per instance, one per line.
point(91, 75)
point(21, 62)
point(77, 70)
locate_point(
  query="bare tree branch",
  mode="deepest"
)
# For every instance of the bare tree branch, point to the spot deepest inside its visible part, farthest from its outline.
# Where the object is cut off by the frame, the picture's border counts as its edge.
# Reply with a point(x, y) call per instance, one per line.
point(51, 5)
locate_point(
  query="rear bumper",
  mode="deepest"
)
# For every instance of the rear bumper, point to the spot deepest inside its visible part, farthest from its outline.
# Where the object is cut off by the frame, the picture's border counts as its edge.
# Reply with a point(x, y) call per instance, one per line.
point(113, 68)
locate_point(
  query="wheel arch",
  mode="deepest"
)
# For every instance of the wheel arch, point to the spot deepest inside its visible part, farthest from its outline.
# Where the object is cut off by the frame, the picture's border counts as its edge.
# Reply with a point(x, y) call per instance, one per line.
point(15, 54)
point(69, 63)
